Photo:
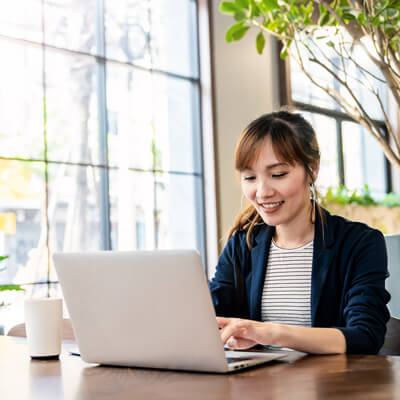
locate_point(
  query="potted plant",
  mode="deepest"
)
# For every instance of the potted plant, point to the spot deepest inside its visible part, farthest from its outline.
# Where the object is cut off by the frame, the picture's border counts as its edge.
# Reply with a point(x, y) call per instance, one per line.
point(359, 205)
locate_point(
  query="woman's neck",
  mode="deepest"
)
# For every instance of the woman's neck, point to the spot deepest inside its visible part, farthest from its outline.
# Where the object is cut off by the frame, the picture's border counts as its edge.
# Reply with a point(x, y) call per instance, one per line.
point(296, 234)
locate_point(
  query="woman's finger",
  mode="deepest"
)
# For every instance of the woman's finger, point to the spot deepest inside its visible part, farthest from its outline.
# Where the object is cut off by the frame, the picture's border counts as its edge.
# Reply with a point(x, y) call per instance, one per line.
point(238, 343)
point(222, 321)
point(234, 328)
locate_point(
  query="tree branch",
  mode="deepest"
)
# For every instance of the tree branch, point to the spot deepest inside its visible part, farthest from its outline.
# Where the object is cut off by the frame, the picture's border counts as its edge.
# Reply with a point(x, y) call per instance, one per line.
point(279, 36)
point(395, 60)
point(304, 43)
point(360, 67)
point(359, 105)
point(334, 94)
point(388, 124)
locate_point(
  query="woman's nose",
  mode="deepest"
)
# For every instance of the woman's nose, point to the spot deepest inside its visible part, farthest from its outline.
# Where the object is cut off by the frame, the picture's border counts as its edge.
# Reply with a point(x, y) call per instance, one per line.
point(264, 190)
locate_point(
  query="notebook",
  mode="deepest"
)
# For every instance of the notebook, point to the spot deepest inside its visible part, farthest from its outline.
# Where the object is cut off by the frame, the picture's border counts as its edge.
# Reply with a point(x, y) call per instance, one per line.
point(148, 309)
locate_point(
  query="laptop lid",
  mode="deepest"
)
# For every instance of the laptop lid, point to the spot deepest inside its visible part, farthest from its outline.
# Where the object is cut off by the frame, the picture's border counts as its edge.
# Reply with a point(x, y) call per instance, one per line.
point(144, 309)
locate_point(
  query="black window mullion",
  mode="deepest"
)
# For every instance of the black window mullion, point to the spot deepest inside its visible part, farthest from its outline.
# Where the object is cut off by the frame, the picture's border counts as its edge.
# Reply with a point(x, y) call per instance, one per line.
point(339, 142)
point(388, 169)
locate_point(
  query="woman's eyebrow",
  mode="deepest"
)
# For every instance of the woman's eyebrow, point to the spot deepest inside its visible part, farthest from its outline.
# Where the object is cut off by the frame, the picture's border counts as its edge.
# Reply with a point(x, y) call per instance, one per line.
point(268, 167)
point(279, 164)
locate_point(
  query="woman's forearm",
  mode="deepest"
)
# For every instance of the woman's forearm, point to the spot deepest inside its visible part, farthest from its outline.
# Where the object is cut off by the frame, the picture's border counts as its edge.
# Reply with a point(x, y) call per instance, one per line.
point(310, 340)
point(243, 333)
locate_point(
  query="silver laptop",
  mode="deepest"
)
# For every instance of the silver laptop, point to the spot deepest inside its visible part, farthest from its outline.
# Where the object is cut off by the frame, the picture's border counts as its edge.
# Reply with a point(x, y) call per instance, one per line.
point(149, 309)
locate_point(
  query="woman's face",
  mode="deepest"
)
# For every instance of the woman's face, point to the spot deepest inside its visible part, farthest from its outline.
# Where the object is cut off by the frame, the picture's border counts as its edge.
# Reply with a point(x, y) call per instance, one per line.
point(279, 191)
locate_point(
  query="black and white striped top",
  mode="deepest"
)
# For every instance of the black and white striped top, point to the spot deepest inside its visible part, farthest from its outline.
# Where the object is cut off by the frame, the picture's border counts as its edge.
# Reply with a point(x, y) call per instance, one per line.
point(287, 286)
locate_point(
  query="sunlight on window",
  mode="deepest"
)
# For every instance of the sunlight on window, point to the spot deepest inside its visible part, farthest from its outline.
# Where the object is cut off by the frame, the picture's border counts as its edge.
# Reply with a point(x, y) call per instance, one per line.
point(100, 142)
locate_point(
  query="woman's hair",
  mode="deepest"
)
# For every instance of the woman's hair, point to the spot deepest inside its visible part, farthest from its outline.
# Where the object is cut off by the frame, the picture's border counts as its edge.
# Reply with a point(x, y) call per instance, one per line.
point(293, 140)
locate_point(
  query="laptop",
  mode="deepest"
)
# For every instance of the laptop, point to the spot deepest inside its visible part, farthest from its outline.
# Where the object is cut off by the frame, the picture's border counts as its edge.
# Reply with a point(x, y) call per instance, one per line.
point(148, 309)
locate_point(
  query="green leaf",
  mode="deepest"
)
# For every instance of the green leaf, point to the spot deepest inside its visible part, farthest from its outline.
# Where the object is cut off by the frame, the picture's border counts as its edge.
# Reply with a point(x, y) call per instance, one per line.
point(240, 33)
point(269, 5)
point(3, 258)
point(10, 287)
point(243, 4)
point(309, 8)
point(273, 25)
point(307, 20)
point(394, 42)
point(324, 19)
point(228, 7)
point(376, 21)
point(361, 18)
point(391, 13)
point(234, 28)
point(284, 52)
point(330, 44)
point(260, 42)
point(294, 10)
point(323, 15)
point(254, 10)
point(240, 15)
point(388, 28)
point(348, 17)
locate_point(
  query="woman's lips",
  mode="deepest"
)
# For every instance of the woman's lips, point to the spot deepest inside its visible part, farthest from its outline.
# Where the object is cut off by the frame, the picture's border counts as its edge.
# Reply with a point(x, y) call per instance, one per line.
point(271, 207)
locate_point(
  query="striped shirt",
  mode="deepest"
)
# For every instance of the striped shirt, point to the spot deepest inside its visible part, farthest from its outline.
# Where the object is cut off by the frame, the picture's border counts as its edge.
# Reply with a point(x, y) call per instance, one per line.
point(287, 286)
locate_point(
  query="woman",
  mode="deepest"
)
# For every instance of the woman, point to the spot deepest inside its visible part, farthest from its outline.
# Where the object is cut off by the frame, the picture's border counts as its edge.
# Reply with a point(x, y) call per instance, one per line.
point(291, 274)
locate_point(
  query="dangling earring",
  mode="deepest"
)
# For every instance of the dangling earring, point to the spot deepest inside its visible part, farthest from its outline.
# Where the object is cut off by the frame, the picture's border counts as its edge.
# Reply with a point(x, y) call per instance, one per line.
point(313, 199)
point(312, 191)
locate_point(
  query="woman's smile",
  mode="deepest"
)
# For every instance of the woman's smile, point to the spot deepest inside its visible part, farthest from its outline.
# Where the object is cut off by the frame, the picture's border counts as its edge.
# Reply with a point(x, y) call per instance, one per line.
point(271, 207)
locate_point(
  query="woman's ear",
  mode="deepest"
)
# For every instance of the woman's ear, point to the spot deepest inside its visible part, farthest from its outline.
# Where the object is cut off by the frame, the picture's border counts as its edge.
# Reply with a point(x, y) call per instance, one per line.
point(315, 171)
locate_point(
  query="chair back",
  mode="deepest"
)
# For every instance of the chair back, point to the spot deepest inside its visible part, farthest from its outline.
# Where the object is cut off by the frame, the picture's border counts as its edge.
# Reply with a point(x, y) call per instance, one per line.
point(67, 331)
point(391, 346)
point(392, 283)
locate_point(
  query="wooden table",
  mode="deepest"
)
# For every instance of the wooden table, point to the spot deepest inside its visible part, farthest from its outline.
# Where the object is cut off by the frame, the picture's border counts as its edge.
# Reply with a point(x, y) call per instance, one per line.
point(311, 377)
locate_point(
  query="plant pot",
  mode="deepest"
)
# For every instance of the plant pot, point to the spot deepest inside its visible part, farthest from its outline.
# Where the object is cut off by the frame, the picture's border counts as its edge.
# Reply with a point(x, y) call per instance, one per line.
point(386, 219)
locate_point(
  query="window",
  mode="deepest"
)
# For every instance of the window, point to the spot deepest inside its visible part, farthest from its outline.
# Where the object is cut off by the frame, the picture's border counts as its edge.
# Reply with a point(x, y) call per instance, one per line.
point(100, 142)
point(349, 154)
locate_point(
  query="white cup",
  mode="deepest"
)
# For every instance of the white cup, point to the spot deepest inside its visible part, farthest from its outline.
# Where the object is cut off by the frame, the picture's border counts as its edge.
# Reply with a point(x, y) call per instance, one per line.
point(43, 323)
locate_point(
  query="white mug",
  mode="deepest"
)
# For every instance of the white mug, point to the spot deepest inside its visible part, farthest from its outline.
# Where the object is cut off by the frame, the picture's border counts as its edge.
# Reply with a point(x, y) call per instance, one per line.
point(43, 323)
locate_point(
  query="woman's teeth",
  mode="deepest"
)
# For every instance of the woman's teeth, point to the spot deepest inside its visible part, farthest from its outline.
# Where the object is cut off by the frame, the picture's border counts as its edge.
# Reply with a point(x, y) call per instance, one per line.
point(272, 205)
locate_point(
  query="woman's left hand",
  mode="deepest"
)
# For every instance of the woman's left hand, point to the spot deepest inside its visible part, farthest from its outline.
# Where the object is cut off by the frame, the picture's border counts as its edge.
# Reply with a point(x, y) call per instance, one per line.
point(243, 333)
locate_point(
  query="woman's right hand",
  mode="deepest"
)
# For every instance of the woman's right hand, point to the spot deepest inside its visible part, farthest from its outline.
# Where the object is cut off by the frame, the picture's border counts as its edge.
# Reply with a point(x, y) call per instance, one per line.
point(242, 334)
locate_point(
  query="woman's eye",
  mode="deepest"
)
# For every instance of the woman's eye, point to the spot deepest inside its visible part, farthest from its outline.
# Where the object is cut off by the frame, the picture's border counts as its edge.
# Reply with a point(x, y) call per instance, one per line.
point(279, 175)
point(249, 178)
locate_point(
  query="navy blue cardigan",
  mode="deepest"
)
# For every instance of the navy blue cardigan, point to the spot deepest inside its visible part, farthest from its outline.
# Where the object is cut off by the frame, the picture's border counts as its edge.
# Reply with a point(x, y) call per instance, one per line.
point(349, 269)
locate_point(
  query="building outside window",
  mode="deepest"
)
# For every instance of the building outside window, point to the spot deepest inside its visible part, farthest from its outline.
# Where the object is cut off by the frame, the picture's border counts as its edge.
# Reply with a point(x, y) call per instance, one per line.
point(100, 137)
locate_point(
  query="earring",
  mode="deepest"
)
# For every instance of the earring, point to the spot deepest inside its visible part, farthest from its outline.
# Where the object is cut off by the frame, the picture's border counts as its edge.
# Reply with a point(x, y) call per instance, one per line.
point(312, 191)
point(313, 198)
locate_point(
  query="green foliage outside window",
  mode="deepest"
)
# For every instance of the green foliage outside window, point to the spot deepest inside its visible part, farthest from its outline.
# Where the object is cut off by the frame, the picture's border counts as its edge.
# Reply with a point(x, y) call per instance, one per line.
point(343, 195)
point(4, 288)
